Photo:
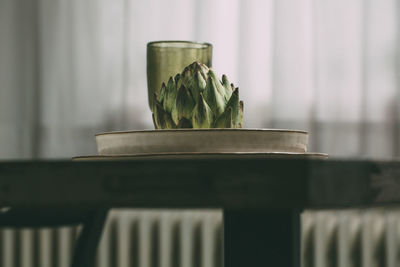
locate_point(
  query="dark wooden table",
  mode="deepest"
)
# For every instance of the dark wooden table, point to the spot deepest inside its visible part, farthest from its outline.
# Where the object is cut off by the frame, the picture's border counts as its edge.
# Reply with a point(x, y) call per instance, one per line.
point(261, 198)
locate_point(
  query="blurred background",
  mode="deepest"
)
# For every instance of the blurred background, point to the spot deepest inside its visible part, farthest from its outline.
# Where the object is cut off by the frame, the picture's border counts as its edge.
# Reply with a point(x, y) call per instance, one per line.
point(70, 69)
point(73, 68)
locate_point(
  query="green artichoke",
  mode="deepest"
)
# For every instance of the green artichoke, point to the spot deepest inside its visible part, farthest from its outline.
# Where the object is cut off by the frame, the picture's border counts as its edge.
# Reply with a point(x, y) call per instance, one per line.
point(196, 98)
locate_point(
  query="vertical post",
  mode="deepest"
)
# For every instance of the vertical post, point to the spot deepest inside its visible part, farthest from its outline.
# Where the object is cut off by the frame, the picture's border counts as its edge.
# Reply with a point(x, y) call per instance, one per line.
point(88, 241)
point(262, 238)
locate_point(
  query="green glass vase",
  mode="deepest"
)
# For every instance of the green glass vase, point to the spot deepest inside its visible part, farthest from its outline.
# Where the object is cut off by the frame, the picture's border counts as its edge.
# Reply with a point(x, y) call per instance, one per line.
point(167, 58)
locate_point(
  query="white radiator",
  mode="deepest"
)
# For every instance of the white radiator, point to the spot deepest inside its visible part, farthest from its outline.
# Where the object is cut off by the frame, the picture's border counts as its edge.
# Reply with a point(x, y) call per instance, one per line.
point(131, 238)
point(172, 238)
point(351, 238)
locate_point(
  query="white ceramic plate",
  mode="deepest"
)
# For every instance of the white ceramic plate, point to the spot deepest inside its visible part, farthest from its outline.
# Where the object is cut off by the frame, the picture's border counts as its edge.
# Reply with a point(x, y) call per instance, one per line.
point(205, 156)
point(201, 141)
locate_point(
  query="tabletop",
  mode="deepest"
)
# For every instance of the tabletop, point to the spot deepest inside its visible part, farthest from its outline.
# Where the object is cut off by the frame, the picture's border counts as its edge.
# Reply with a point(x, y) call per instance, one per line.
point(233, 184)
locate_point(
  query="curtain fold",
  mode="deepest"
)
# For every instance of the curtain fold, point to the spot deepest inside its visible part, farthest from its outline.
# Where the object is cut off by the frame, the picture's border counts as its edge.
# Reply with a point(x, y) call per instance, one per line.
point(70, 69)
point(18, 79)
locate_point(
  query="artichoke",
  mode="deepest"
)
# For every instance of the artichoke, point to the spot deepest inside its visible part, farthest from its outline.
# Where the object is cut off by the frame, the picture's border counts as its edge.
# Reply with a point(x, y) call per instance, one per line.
point(196, 98)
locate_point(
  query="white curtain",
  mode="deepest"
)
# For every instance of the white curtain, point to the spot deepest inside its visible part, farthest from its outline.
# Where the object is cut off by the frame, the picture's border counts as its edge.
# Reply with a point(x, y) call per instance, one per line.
point(72, 68)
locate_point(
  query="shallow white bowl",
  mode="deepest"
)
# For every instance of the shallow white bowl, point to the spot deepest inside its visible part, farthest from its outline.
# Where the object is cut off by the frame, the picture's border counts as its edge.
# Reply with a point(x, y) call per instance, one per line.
point(201, 141)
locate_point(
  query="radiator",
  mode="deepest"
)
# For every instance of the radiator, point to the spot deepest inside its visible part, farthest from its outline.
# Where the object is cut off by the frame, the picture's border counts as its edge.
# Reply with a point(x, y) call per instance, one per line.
point(131, 238)
point(351, 238)
point(171, 238)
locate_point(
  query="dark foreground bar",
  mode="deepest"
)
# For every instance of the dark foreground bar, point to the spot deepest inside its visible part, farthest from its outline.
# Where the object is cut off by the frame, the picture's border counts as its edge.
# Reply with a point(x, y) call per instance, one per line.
point(237, 184)
point(262, 198)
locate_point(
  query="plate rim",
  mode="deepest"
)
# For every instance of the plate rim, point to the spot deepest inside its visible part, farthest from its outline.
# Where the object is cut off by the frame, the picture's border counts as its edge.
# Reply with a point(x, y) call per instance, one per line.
point(319, 154)
point(204, 130)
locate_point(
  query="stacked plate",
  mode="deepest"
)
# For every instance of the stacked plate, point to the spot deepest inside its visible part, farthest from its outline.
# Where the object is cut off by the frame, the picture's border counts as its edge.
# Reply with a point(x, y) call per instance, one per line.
point(202, 143)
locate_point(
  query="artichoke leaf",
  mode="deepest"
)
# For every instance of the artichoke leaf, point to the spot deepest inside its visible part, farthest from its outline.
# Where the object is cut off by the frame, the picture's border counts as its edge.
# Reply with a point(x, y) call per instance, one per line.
point(217, 83)
point(162, 119)
point(162, 93)
point(202, 114)
point(225, 119)
point(170, 95)
point(198, 86)
point(155, 122)
point(184, 103)
point(213, 98)
point(241, 115)
point(227, 85)
point(234, 104)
